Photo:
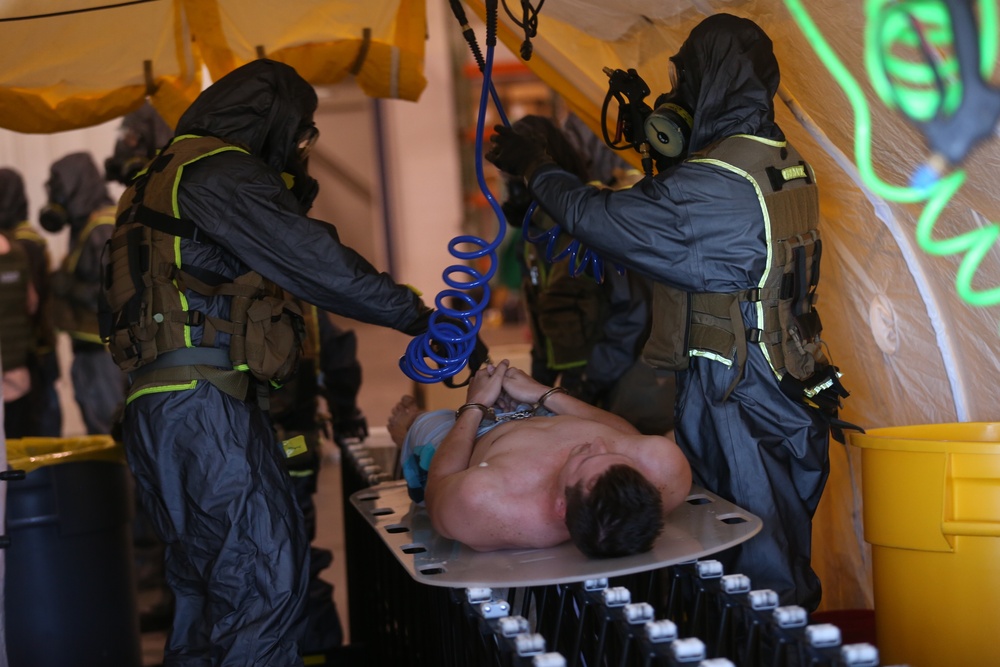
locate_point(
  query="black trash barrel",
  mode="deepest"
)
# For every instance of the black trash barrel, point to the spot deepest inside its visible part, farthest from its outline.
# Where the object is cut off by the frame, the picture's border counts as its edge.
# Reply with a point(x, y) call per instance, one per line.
point(70, 595)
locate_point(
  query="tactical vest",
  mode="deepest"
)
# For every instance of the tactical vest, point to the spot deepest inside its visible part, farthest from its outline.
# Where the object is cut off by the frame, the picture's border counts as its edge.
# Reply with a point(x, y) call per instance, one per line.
point(786, 326)
point(44, 331)
point(565, 312)
point(146, 281)
point(17, 336)
point(70, 313)
point(23, 231)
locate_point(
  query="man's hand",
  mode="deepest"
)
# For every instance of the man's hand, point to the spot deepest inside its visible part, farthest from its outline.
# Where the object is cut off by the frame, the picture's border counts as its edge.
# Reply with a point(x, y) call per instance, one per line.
point(516, 154)
point(486, 384)
point(522, 387)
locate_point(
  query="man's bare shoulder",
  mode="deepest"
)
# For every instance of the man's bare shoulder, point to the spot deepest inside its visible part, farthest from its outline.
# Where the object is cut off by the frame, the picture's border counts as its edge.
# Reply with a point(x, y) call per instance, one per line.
point(663, 463)
point(483, 510)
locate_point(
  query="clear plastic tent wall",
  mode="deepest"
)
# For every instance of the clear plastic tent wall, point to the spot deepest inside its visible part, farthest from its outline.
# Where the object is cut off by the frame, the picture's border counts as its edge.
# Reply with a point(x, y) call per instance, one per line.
point(75, 63)
point(912, 350)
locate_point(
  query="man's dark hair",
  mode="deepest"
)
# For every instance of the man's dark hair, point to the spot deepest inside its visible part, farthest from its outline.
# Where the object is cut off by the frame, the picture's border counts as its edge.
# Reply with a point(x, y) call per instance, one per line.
point(622, 514)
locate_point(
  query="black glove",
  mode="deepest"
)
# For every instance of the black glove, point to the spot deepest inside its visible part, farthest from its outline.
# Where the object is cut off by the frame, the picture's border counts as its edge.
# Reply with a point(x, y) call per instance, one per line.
point(516, 154)
point(419, 325)
point(480, 355)
point(517, 203)
point(350, 427)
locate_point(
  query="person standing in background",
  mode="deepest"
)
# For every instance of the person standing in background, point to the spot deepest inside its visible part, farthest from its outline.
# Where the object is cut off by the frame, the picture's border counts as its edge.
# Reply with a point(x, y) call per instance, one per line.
point(79, 199)
point(18, 303)
point(587, 335)
point(43, 363)
point(142, 132)
point(730, 236)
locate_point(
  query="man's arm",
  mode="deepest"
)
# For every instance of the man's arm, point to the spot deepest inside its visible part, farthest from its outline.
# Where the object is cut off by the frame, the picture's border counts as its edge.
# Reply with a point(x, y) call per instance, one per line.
point(442, 494)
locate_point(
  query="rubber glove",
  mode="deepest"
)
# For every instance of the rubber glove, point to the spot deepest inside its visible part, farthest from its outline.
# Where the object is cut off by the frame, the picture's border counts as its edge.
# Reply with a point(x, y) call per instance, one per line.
point(516, 154)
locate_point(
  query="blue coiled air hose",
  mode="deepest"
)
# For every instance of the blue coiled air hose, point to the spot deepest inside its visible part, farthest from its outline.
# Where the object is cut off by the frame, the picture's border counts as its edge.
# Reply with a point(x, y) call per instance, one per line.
point(444, 350)
point(578, 255)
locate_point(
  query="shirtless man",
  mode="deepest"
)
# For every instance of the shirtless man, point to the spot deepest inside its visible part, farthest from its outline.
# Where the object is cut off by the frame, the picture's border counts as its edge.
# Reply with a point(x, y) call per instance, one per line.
point(566, 471)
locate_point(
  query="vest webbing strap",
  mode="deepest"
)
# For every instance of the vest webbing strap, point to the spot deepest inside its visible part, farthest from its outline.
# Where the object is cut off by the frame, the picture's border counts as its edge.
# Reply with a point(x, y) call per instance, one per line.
point(716, 319)
point(167, 224)
point(718, 323)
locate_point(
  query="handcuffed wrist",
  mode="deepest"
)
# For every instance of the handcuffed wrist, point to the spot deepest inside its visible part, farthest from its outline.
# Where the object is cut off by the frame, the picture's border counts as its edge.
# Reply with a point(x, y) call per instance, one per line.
point(486, 410)
point(540, 403)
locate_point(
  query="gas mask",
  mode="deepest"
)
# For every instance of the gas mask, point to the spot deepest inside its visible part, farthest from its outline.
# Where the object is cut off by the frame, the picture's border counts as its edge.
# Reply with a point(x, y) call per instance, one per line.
point(129, 157)
point(305, 142)
point(53, 217)
point(668, 129)
point(296, 174)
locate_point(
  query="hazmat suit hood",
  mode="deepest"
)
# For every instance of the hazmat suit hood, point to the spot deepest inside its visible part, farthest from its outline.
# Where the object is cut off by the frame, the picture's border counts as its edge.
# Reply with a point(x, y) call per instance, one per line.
point(13, 202)
point(728, 74)
point(76, 184)
point(261, 106)
point(141, 134)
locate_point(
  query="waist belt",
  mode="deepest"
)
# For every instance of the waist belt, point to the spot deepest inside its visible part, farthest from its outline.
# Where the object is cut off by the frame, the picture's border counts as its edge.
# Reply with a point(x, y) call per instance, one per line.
point(211, 364)
point(189, 356)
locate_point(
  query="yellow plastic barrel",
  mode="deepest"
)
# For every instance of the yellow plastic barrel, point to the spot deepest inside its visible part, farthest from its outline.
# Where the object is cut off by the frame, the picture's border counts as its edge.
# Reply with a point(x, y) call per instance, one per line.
point(932, 516)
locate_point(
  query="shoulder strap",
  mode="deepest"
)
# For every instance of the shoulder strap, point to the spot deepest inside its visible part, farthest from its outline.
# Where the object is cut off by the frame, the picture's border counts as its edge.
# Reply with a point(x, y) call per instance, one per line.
point(155, 204)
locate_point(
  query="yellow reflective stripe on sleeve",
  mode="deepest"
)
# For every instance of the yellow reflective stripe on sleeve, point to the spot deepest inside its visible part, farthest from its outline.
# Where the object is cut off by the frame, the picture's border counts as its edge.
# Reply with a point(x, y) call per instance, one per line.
point(241, 367)
point(159, 390)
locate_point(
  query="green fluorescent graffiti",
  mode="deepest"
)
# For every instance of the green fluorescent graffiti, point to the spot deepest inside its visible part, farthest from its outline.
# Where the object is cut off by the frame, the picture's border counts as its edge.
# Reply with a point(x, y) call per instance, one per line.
point(921, 91)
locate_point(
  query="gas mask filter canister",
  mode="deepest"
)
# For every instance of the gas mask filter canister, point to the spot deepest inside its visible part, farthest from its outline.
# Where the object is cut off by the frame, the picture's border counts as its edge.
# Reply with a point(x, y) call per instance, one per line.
point(53, 217)
point(668, 128)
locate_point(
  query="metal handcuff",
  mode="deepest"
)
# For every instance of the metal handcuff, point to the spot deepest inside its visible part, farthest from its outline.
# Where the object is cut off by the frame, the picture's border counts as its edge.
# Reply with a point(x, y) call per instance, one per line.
point(490, 414)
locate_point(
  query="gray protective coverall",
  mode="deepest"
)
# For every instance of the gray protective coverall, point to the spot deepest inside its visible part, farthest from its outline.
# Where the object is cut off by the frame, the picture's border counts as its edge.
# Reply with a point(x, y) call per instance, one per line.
point(210, 471)
point(699, 228)
point(76, 184)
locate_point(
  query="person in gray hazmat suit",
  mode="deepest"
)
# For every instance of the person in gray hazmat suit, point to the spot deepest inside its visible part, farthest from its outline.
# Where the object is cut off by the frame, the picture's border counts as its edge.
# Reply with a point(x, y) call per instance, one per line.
point(78, 198)
point(207, 240)
point(730, 237)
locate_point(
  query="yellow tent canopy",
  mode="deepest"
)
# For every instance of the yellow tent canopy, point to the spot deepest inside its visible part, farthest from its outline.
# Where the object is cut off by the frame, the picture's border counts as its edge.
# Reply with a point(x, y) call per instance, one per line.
point(71, 64)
